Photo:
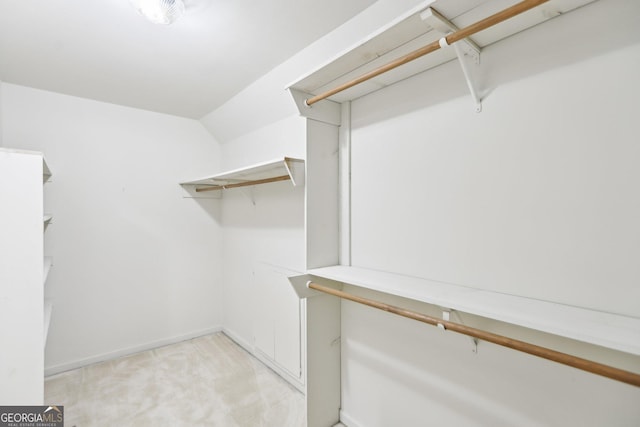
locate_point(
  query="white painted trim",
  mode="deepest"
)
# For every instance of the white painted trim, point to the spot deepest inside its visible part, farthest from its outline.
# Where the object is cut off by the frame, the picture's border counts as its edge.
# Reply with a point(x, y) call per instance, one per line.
point(238, 340)
point(57, 369)
point(288, 377)
point(347, 421)
point(326, 111)
point(251, 349)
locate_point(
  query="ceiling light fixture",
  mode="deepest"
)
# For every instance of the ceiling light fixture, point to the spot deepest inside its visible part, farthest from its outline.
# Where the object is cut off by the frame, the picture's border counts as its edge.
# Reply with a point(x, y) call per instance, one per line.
point(160, 11)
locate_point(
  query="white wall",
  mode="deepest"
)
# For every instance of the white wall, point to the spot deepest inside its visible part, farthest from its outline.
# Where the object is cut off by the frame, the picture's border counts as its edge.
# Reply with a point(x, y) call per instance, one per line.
point(537, 196)
point(135, 264)
point(263, 241)
point(266, 101)
point(260, 123)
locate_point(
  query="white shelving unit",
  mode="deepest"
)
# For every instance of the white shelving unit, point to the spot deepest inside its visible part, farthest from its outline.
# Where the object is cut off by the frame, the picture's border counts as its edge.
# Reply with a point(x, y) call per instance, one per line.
point(282, 169)
point(609, 330)
point(409, 32)
point(424, 24)
point(277, 334)
point(24, 315)
point(48, 261)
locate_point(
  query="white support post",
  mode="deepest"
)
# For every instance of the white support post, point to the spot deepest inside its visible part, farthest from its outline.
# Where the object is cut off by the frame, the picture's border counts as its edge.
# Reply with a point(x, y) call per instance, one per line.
point(344, 181)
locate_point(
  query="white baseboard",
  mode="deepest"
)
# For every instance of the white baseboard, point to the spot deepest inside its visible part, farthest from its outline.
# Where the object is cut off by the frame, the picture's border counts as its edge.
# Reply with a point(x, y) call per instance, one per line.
point(291, 379)
point(295, 382)
point(56, 369)
point(346, 420)
point(238, 340)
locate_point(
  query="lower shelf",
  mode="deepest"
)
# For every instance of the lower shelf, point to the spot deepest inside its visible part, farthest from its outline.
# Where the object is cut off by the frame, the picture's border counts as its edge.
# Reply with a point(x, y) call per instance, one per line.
point(609, 330)
point(48, 310)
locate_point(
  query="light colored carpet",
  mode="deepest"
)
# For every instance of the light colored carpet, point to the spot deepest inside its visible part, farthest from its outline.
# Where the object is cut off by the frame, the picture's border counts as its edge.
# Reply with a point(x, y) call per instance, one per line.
point(207, 381)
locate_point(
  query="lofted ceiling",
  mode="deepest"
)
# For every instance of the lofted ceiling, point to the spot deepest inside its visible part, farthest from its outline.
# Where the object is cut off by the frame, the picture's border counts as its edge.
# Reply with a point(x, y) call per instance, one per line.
point(105, 50)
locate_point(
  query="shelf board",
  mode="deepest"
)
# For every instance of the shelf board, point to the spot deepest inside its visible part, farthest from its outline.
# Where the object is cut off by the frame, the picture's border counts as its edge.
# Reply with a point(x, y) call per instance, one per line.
point(48, 262)
point(285, 168)
point(46, 172)
point(48, 310)
point(609, 330)
point(409, 32)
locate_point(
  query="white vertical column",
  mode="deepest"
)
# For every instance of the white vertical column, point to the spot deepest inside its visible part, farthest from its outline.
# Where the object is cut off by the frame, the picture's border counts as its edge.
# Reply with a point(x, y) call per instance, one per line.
point(344, 180)
point(323, 312)
point(321, 207)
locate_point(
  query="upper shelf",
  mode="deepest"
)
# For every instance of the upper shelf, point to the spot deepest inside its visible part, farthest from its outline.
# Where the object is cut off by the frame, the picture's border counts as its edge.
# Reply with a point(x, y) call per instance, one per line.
point(609, 330)
point(282, 169)
point(46, 172)
point(410, 32)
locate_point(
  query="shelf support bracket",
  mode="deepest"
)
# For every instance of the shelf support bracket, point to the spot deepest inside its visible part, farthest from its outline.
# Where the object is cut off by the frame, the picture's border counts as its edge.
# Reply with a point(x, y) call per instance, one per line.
point(446, 316)
point(467, 51)
point(249, 194)
point(463, 59)
point(474, 341)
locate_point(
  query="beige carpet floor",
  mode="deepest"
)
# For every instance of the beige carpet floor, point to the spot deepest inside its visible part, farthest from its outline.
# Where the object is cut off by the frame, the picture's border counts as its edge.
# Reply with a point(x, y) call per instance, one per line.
point(207, 381)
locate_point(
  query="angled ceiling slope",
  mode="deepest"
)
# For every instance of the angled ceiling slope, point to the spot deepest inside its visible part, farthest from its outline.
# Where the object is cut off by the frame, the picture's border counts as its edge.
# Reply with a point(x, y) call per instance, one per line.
point(106, 51)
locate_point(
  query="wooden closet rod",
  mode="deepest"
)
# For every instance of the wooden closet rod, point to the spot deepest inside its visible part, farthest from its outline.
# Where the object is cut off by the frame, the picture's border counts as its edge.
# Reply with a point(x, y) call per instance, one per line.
point(546, 353)
point(243, 184)
point(433, 46)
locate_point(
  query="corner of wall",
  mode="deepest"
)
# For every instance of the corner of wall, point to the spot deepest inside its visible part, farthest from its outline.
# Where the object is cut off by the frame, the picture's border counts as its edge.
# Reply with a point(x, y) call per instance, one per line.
point(266, 101)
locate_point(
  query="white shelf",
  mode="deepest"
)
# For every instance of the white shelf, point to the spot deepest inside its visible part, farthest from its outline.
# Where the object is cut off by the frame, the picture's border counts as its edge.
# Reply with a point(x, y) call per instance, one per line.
point(409, 32)
point(48, 310)
point(609, 330)
point(48, 262)
point(46, 172)
point(285, 168)
point(47, 219)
